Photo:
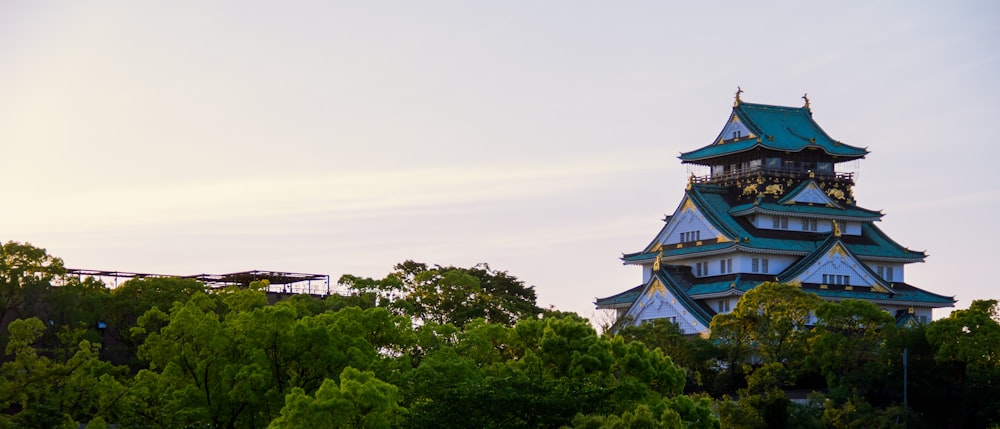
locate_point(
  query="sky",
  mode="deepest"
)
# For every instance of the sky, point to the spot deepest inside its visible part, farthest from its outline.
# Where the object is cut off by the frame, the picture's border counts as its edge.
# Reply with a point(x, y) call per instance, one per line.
point(330, 137)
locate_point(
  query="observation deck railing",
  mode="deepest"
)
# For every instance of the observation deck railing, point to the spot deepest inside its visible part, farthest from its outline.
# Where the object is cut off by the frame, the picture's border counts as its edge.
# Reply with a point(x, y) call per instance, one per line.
point(789, 173)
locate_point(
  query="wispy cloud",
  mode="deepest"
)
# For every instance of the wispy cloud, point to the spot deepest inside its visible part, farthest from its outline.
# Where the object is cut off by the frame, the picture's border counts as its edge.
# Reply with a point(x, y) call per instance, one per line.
point(126, 205)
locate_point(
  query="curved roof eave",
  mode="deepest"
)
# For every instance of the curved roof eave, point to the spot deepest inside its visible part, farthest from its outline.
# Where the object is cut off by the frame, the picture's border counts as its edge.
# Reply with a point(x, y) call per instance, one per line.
point(778, 128)
point(640, 258)
point(854, 215)
point(693, 157)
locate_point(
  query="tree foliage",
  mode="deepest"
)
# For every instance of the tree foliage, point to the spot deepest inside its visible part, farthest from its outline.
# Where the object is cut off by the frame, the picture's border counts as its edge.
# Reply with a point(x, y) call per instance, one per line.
point(26, 272)
point(465, 347)
point(448, 294)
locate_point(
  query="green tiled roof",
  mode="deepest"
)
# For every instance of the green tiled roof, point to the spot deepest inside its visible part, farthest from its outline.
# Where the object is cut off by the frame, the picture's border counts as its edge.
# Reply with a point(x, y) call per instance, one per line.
point(787, 129)
point(798, 189)
point(805, 262)
point(673, 251)
point(710, 196)
point(881, 246)
point(711, 201)
point(904, 294)
point(716, 285)
point(905, 319)
point(626, 297)
point(855, 213)
point(678, 287)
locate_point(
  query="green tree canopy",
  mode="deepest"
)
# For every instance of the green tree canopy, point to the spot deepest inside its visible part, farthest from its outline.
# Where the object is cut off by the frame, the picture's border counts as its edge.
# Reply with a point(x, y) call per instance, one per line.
point(449, 294)
point(849, 343)
point(26, 272)
point(771, 320)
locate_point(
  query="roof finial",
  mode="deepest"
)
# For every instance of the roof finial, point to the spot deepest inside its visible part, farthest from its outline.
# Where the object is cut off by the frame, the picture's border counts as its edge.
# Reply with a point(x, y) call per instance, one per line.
point(738, 92)
point(806, 98)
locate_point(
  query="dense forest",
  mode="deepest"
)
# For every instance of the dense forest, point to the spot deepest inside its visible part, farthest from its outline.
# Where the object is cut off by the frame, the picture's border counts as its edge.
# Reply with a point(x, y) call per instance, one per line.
point(440, 347)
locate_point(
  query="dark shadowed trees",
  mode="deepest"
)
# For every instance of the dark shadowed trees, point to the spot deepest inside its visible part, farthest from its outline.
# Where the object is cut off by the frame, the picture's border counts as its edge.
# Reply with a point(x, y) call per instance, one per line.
point(26, 273)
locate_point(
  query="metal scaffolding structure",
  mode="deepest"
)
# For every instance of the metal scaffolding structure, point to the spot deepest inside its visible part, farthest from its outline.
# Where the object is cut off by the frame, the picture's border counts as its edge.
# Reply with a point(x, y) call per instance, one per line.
point(278, 281)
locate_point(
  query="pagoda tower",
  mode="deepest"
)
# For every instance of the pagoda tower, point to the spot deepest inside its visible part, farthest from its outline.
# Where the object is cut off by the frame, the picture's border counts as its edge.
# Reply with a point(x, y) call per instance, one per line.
point(773, 202)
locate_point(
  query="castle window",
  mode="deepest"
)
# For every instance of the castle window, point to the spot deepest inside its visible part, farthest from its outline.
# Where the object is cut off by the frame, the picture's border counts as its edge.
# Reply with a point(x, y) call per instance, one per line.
point(690, 236)
point(809, 224)
point(758, 265)
point(701, 269)
point(779, 222)
point(723, 306)
point(836, 279)
point(726, 266)
point(885, 273)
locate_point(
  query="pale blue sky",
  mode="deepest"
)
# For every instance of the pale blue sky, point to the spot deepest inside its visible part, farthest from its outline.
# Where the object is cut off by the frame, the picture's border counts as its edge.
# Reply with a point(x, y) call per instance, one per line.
point(540, 137)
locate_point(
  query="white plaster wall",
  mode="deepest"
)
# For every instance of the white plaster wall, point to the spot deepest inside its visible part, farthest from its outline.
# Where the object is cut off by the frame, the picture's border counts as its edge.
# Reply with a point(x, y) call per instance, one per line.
point(687, 221)
point(714, 304)
point(779, 263)
point(837, 264)
point(742, 263)
point(663, 305)
point(735, 125)
point(897, 270)
point(812, 195)
point(775, 264)
point(795, 224)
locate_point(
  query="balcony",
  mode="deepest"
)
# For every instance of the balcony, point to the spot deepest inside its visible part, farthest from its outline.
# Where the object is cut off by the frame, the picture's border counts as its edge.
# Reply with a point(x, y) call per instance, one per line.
point(780, 172)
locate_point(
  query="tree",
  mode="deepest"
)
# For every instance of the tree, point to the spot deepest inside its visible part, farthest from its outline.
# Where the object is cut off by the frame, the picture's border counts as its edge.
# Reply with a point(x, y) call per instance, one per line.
point(968, 341)
point(695, 354)
point(448, 294)
point(766, 335)
point(38, 389)
point(26, 272)
point(79, 306)
point(191, 372)
point(361, 401)
point(132, 299)
point(970, 336)
point(771, 319)
point(848, 344)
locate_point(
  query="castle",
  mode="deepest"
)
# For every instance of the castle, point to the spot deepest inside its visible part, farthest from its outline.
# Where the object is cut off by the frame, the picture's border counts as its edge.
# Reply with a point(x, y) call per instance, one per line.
point(773, 203)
